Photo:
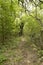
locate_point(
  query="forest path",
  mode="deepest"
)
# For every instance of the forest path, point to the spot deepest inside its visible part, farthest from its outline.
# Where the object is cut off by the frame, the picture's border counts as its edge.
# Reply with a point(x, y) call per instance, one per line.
point(30, 56)
point(22, 55)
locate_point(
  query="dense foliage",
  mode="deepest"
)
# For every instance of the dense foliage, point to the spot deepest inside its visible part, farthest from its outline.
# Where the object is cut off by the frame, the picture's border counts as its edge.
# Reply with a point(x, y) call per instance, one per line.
point(22, 18)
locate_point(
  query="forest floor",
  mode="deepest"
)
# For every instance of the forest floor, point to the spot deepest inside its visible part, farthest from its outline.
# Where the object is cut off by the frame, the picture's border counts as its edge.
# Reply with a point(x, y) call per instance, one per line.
point(20, 54)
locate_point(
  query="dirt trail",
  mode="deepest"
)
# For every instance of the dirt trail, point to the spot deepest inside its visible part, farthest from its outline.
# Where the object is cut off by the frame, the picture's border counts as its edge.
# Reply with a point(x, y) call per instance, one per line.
point(22, 55)
point(30, 57)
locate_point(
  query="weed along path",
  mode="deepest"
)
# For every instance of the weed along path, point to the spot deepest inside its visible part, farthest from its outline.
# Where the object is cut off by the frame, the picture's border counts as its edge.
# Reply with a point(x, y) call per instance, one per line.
point(22, 55)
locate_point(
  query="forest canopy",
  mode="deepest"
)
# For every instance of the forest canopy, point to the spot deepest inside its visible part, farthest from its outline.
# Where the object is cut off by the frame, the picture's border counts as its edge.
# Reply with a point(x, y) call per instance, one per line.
point(21, 32)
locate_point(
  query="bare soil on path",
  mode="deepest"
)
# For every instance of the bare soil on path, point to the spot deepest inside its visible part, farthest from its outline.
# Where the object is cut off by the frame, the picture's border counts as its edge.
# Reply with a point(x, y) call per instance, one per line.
point(22, 55)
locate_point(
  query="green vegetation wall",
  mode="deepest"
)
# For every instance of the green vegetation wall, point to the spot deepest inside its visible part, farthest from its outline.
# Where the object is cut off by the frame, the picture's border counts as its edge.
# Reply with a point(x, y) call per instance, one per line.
point(8, 15)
